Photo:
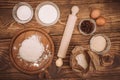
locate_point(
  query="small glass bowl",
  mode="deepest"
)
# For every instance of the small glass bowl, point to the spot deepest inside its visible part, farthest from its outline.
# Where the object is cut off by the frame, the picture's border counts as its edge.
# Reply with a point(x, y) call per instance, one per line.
point(91, 20)
point(108, 44)
point(15, 14)
point(41, 5)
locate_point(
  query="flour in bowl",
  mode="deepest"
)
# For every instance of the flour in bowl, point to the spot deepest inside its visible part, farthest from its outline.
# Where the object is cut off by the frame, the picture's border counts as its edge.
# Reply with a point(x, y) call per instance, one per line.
point(24, 13)
point(98, 43)
point(47, 14)
point(31, 49)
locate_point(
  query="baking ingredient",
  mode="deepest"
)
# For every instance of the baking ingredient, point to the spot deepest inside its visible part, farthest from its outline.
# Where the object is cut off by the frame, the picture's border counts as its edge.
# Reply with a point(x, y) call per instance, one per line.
point(100, 21)
point(31, 49)
point(95, 13)
point(24, 12)
point(87, 27)
point(98, 43)
point(47, 13)
point(67, 34)
point(81, 60)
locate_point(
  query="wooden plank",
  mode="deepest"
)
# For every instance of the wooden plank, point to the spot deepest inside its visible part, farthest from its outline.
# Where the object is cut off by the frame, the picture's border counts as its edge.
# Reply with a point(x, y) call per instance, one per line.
point(56, 30)
point(110, 13)
point(34, 3)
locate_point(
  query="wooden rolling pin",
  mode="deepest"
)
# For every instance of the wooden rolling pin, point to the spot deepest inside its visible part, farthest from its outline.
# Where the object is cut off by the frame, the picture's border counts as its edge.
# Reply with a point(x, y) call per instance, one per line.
point(67, 36)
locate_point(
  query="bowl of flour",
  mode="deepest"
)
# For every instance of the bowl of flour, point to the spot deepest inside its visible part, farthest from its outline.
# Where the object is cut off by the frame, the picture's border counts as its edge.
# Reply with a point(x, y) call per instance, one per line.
point(22, 12)
point(100, 43)
point(47, 13)
point(31, 50)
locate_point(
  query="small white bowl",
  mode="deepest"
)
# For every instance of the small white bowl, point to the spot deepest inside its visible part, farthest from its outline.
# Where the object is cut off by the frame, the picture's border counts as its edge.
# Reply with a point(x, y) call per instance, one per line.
point(91, 20)
point(14, 12)
point(42, 5)
point(108, 44)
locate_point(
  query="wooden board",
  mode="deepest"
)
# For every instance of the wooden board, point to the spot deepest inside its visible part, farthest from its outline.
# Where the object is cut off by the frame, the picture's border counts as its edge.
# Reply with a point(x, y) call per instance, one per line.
point(110, 10)
point(29, 67)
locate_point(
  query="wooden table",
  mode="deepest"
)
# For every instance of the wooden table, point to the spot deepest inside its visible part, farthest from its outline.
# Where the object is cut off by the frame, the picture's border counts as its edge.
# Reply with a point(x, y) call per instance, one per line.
point(8, 28)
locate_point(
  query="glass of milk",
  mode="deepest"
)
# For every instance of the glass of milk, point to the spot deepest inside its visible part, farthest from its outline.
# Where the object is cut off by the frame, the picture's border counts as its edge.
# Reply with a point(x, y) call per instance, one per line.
point(22, 12)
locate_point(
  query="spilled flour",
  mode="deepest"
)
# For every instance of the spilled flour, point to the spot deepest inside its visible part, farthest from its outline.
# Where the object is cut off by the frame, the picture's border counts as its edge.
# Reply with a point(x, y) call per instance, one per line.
point(31, 49)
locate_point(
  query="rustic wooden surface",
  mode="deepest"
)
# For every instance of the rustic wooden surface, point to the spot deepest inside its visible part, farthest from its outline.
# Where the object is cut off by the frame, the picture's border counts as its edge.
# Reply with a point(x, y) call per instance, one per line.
point(110, 10)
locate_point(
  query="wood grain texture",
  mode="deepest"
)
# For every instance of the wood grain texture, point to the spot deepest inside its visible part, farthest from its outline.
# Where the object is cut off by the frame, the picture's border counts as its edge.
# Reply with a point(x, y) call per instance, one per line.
point(8, 28)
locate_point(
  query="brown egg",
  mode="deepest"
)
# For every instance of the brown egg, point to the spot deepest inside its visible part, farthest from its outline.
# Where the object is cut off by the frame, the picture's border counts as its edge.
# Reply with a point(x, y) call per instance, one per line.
point(95, 13)
point(101, 21)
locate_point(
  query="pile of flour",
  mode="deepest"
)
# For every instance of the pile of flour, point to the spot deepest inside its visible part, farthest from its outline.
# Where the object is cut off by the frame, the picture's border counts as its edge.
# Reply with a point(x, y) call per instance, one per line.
point(31, 49)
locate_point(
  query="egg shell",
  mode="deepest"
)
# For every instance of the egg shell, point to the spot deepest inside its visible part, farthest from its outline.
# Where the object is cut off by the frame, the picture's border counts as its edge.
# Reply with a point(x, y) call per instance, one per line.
point(95, 13)
point(100, 21)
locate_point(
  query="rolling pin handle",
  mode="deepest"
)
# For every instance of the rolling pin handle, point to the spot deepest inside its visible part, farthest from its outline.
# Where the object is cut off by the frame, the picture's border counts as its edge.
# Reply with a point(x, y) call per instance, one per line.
point(59, 62)
point(75, 10)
